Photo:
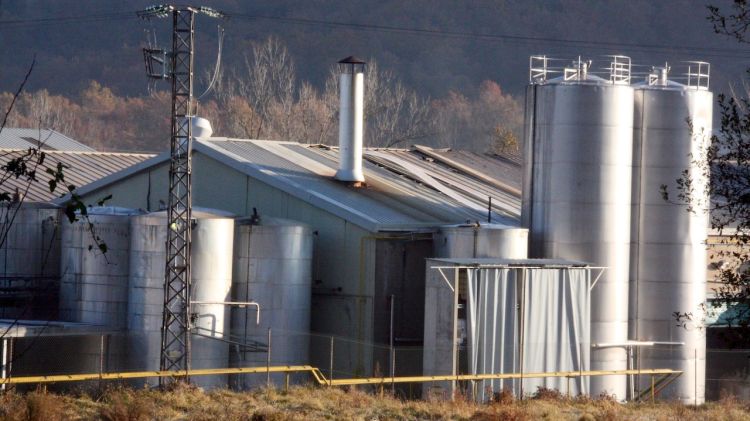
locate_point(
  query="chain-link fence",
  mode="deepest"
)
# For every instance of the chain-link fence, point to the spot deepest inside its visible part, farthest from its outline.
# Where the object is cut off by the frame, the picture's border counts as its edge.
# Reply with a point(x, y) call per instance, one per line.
point(337, 357)
point(728, 373)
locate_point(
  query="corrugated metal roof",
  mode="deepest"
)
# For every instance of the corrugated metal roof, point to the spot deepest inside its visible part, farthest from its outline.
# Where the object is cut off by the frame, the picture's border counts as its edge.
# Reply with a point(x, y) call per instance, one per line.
point(505, 168)
point(312, 177)
point(403, 187)
point(83, 168)
point(504, 201)
point(50, 140)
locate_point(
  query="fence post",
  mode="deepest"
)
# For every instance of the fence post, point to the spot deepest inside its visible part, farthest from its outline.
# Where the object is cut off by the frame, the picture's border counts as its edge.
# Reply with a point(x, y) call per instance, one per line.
point(392, 349)
point(330, 369)
point(268, 360)
point(9, 362)
point(653, 392)
point(393, 370)
point(580, 373)
point(101, 359)
point(695, 381)
point(638, 363)
point(5, 362)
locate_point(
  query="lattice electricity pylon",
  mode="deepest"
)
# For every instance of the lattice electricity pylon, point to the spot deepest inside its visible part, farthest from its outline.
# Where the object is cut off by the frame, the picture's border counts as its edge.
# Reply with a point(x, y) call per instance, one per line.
point(176, 323)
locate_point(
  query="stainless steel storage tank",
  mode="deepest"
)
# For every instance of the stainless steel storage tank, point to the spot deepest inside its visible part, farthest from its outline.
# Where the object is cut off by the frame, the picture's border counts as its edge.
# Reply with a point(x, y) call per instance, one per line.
point(669, 251)
point(30, 260)
point(273, 267)
point(212, 238)
point(576, 197)
point(479, 240)
point(94, 285)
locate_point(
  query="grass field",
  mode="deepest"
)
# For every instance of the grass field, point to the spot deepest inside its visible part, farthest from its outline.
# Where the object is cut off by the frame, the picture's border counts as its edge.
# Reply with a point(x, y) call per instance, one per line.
point(314, 403)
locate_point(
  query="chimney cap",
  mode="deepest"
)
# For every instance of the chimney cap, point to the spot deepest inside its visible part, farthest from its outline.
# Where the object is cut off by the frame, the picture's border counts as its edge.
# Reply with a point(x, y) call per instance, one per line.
point(352, 65)
point(352, 60)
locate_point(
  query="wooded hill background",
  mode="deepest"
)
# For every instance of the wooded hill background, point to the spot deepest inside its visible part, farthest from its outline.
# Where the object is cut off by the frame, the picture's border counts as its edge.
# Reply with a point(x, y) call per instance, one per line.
point(445, 73)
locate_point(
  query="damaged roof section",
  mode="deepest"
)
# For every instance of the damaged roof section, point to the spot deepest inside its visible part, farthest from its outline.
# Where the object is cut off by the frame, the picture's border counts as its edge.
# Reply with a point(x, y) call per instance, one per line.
point(404, 187)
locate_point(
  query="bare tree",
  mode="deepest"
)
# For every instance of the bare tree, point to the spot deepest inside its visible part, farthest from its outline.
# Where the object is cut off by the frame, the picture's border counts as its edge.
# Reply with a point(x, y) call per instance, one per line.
point(269, 84)
point(491, 122)
point(394, 114)
point(49, 115)
point(28, 166)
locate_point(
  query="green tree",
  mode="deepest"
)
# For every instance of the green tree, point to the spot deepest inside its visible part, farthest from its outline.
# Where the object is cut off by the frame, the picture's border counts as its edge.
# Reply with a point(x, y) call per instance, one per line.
point(728, 160)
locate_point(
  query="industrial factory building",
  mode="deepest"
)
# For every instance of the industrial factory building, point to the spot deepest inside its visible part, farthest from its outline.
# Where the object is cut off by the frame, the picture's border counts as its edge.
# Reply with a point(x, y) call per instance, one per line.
point(370, 242)
point(479, 264)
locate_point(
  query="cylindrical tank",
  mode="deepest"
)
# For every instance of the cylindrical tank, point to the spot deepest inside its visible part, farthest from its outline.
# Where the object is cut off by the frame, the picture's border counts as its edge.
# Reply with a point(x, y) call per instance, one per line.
point(576, 198)
point(30, 261)
point(94, 285)
point(668, 273)
point(212, 240)
point(273, 267)
point(472, 240)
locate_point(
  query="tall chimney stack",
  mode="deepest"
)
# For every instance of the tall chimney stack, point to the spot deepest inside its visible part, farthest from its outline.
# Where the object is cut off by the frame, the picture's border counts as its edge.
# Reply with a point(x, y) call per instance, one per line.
point(351, 119)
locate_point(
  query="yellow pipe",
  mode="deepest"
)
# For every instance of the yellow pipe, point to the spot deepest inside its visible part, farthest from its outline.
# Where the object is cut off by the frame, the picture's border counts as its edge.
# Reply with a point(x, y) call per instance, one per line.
point(460, 377)
point(143, 374)
point(320, 377)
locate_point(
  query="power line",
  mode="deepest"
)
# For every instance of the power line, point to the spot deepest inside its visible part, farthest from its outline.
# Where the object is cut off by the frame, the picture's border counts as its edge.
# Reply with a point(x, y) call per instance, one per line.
point(704, 51)
point(573, 43)
point(18, 23)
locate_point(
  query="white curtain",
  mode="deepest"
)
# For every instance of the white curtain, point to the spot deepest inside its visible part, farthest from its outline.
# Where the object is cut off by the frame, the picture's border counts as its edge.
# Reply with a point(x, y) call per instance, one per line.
point(555, 309)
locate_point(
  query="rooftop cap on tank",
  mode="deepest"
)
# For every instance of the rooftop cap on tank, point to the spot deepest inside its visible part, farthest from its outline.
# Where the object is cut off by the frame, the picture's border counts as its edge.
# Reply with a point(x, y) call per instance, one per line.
point(694, 75)
point(543, 70)
point(201, 127)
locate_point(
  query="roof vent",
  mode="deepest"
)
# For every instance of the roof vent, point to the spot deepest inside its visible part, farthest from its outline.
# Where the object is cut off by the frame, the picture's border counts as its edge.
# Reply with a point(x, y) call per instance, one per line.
point(351, 119)
point(578, 71)
point(201, 127)
point(659, 76)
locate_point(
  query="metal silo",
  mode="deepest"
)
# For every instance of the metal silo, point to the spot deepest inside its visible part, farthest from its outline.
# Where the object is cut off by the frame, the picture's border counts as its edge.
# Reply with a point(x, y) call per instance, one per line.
point(30, 261)
point(211, 282)
point(273, 267)
point(94, 285)
point(476, 240)
point(576, 197)
point(672, 129)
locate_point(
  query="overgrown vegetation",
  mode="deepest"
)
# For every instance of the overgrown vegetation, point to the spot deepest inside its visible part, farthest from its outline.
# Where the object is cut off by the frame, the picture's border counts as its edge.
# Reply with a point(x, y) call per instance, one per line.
point(314, 403)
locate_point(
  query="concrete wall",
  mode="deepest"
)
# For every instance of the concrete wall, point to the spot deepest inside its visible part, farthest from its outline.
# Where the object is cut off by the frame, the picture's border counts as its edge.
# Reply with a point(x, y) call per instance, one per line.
point(438, 326)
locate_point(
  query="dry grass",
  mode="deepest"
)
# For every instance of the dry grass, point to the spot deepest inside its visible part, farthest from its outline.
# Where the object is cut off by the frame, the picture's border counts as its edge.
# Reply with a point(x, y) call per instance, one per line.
point(314, 403)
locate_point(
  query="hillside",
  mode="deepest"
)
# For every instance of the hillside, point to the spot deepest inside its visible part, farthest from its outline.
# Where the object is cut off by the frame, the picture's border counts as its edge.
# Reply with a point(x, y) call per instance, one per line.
point(73, 51)
point(462, 65)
